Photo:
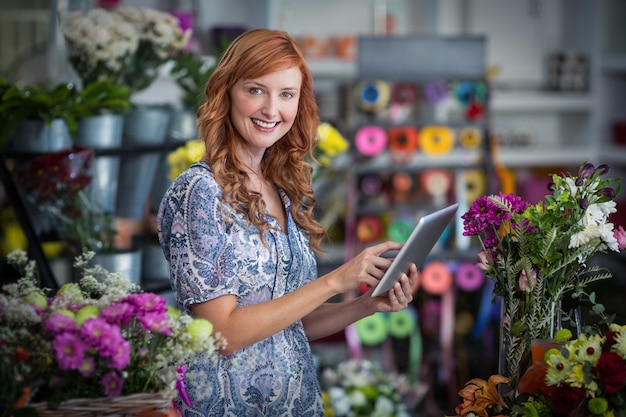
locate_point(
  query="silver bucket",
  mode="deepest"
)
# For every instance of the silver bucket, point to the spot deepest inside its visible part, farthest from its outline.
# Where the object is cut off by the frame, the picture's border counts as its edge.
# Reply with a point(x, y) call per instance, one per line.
point(35, 136)
point(103, 132)
point(127, 263)
point(142, 126)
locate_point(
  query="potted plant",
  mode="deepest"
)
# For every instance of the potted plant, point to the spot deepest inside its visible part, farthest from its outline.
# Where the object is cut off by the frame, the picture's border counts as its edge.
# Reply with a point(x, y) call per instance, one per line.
point(48, 117)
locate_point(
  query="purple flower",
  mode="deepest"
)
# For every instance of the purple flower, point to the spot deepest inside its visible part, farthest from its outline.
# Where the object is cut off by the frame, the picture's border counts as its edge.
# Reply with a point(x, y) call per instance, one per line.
point(88, 366)
point(121, 355)
point(517, 204)
point(119, 313)
point(583, 203)
point(586, 171)
point(59, 323)
point(108, 342)
point(112, 384)
point(482, 214)
point(607, 192)
point(155, 322)
point(94, 330)
point(68, 350)
point(602, 169)
point(148, 302)
point(620, 236)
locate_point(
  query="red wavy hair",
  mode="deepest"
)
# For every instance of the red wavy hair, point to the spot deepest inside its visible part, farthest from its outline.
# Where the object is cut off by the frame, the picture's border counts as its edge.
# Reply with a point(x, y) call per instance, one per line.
point(252, 55)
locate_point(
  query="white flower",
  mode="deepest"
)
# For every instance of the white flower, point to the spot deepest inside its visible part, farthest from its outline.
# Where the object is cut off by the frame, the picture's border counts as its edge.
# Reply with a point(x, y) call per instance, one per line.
point(384, 407)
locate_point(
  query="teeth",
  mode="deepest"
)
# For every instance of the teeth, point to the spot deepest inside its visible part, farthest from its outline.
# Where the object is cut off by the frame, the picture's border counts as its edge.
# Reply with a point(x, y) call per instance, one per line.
point(264, 124)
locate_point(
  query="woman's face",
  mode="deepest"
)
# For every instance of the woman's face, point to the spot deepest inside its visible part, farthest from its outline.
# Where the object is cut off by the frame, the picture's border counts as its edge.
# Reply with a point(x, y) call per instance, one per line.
point(264, 109)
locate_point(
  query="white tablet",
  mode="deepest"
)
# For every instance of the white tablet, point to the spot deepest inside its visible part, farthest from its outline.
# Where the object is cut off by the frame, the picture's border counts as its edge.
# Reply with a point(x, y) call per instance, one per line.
point(417, 247)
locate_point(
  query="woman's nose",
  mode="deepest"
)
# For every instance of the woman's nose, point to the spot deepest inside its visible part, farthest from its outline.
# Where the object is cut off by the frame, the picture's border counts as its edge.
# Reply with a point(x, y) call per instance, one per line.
point(270, 107)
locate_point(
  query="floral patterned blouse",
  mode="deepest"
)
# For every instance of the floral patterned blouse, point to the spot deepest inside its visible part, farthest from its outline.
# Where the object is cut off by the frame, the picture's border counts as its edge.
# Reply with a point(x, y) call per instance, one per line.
point(210, 257)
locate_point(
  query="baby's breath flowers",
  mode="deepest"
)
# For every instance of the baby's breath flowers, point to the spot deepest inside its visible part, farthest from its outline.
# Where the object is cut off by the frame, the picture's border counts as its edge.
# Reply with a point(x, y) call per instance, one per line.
point(99, 337)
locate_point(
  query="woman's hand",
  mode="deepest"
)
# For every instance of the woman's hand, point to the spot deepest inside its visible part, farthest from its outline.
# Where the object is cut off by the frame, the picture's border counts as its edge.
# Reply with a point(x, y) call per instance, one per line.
point(398, 297)
point(368, 267)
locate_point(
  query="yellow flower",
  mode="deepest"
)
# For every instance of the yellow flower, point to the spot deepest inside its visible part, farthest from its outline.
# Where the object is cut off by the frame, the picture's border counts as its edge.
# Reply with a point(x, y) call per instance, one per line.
point(181, 158)
point(479, 396)
point(330, 143)
point(85, 313)
point(199, 329)
point(36, 299)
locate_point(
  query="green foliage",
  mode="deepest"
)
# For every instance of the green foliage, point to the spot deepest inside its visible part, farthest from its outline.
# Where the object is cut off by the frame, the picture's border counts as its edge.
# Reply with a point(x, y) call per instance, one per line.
point(21, 102)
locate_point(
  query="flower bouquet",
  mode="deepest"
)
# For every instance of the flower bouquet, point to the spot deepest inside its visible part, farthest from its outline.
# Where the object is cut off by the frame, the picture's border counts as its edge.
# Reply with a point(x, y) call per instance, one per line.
point(96, 345)
point(127, 44)
point(535, 254)
point(361, 388)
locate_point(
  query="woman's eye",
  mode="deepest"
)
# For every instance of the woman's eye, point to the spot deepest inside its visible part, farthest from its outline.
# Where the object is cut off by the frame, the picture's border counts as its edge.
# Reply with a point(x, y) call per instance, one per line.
point(256, 90)
point(287, 94)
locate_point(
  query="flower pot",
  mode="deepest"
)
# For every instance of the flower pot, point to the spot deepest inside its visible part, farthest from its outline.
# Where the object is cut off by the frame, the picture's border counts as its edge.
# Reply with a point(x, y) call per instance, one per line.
point(142, 126)
point(102, 132)
point(35, 136)
point(124, 262)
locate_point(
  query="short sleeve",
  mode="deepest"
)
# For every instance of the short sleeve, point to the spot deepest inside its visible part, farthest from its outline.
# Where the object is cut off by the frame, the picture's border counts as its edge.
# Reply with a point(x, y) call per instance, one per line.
point(195, 239)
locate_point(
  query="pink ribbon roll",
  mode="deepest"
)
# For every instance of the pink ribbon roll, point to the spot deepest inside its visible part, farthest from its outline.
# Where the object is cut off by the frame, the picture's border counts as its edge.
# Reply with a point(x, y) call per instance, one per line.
point(370, 140)
point(469, 277)
point(436, 278)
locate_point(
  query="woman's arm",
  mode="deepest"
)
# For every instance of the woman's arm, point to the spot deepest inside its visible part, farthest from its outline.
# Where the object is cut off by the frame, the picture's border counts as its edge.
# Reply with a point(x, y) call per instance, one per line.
point(243, 326)
point(330, 318)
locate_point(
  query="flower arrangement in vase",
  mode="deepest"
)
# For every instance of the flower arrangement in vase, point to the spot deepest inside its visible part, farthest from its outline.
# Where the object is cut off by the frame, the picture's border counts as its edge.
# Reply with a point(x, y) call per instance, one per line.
point(127, 44)
point(537, 253)
point(99, 339)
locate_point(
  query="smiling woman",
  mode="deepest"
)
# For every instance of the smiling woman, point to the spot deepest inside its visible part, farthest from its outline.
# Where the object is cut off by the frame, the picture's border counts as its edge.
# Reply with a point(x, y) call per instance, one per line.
point(238, 233)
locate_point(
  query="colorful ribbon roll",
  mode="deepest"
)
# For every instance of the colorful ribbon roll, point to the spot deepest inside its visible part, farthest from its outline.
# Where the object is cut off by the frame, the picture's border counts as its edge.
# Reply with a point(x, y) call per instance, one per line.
point(436, 140)
point(400, 228)
point(402, 140)
point(403, 93)
point(436, 181)
point(371, 185)
point(470, 137)
point(436, 92)
point(370, 140)
point(436, 278)
point(475, 184)
point(368, 228)
point(372, 330)
point(372, 96)
point(402, 323)
point(469, 277)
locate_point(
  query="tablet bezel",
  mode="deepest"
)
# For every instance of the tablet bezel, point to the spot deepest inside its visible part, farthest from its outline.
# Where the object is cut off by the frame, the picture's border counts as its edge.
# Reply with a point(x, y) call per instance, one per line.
point(417, 247)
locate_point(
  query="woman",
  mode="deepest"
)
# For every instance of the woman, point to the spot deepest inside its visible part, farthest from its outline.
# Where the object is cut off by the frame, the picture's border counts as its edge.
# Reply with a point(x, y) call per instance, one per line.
point(238, 232)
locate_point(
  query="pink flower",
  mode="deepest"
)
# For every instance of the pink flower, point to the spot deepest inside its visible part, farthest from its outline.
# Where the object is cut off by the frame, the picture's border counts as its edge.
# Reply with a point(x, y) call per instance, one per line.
point(155, 322)
point(88, 366)
point(484, 261)
point(148, 302)
point(59, 323)
point(121, 355)
point(69, 350)
point(120, 313)
point(112, 384)
point(94, 330)
point(527, 284)
point(620, 236)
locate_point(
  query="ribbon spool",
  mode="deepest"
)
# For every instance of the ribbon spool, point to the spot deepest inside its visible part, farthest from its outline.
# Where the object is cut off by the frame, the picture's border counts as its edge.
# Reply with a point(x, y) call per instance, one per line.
point(372, 330)
point(402, 140)
point(436, 140)
point(403, 93)
point(475, 184)
point(436, 92)
point(437, 182)
point(371, 186)
point(469, 277)
point(436, 278)
point(467, 92)
point(400, 228)
point(402, 323)
point(368, 229)
point(372, 96)
point(370, 140)
point(470, 137)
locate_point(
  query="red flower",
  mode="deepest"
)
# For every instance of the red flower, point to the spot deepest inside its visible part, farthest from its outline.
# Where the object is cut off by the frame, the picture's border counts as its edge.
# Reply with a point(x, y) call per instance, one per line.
point(566, 399)
point(611, 369)
point(22, 355)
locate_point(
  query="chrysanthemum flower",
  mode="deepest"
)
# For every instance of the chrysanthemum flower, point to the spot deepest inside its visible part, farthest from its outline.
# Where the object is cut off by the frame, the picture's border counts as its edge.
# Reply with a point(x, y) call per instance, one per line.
point(113, 384)
point(68, 350)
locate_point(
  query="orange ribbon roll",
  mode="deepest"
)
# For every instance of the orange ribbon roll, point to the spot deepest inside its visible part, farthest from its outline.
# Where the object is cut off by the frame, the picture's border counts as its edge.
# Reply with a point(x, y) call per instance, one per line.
point(368, 228)
point(402, 140)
